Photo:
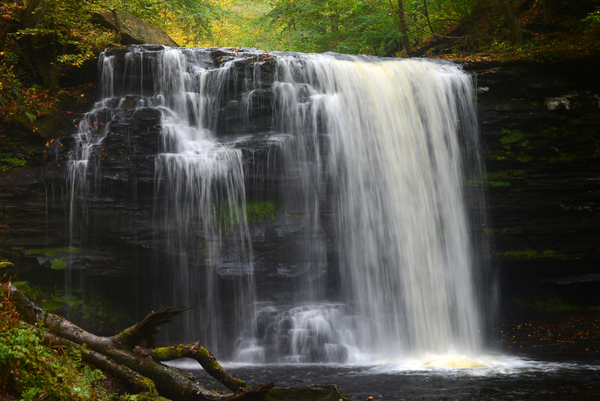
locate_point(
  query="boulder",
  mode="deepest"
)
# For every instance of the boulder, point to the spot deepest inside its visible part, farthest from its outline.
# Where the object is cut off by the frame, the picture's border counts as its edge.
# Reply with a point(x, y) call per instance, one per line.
point(133, 30)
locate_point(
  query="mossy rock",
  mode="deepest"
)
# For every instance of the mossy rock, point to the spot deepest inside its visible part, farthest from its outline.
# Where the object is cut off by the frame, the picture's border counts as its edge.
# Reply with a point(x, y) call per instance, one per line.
point(132, 29)
point(316, 392)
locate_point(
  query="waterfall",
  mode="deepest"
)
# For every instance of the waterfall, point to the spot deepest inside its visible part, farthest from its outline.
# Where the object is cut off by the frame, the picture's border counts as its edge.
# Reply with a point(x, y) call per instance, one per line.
point(367, 157)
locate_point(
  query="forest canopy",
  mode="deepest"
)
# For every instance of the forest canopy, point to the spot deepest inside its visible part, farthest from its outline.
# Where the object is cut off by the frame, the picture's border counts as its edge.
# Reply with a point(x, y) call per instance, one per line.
point(41, 39)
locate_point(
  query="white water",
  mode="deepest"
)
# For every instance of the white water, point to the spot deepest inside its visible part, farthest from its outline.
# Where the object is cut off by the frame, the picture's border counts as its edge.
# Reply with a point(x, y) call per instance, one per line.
point(393, 168)
point(199, 182)
point(379, 146)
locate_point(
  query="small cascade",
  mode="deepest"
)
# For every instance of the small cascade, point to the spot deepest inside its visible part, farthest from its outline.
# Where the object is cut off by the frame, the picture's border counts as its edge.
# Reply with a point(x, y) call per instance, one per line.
point(199, 181)
point(91, 131)
point(346, 173)
point(302, 334)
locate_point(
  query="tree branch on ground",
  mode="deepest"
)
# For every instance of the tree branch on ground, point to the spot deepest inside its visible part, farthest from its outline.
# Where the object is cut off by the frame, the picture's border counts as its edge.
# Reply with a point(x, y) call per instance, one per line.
point(138, 367)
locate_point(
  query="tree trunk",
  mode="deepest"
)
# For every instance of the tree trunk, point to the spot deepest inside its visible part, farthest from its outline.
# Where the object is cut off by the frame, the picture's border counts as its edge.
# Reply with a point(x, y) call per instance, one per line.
point(39, 49)
point(517, 34)
point(427, 15)
point(403, 27)
point(118, 350)
point(545, 11)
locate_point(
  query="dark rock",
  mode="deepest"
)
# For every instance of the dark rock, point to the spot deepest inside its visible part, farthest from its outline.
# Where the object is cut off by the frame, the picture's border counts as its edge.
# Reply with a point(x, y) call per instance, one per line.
point(539, 126)
point(585, 278)
point(543, 180)
point(316, 392)
point(133, 30)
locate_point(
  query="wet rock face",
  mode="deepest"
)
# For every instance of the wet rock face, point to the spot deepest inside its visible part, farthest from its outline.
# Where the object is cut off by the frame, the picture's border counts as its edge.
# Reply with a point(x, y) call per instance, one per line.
point(118, 234)
point(539, 126)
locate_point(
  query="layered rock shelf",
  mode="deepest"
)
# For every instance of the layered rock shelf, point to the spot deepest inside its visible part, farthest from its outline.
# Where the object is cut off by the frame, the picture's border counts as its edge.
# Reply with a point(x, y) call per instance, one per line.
point(539, 128)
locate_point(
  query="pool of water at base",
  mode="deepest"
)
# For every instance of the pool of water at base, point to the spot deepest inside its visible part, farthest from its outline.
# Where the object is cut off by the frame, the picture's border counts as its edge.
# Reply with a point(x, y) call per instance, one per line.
point(525, 380)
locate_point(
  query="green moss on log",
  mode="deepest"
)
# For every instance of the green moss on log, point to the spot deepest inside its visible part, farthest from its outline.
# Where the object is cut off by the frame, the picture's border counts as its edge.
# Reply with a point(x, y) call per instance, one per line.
point(170, 353)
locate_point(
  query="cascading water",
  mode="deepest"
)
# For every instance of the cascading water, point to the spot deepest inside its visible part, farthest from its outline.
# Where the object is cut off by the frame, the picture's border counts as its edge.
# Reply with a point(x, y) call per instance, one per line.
point(379, 140)
point(366, 156)
point(199, 182)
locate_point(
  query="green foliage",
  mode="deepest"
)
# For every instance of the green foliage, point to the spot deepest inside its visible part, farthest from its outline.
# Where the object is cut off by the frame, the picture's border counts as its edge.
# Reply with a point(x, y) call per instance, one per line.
point(592, 20)
point(193, 15)
point(40, 39)
point(12, 163)
point(33, 370)
point(56, 301)
point(362, 26)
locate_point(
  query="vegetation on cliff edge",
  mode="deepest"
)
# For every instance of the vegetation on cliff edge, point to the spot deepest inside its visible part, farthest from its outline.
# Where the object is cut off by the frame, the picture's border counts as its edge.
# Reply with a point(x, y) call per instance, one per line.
point(43, 40)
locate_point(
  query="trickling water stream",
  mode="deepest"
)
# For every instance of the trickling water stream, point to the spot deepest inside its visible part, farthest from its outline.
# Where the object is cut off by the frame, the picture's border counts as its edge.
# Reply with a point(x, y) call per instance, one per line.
point(365, 158)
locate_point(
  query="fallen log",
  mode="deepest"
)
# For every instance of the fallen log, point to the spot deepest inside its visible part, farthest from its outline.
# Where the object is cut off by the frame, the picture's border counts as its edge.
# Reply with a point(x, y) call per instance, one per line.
point(197, 352)
point(119, 350)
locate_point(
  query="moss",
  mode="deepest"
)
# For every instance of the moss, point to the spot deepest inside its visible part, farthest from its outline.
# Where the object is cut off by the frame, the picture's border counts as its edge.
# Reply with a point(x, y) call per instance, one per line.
point(552, 304)
point(58, 264)
point(524, 158)
point(256, 212)
point(499, 184)
point(168, 353)
point(525, 254)
point(49, 252)
point(511, 136)
point(561, 158)
point(507, 175)
point(12, 163)
point(494, 231)
point(508, 181)
point(295, 215)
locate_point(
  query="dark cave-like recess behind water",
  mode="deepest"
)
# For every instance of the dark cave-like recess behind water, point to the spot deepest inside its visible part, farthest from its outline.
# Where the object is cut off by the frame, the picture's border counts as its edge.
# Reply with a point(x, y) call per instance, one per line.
point(313, 208)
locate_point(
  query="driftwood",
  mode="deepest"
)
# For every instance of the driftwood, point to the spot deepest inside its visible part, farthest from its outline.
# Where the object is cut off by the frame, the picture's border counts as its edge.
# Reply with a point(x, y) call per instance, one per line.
point(139, 367)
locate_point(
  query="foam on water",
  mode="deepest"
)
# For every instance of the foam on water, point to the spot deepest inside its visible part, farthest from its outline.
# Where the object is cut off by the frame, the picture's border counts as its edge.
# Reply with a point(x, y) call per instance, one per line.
point(450, 365)
point(480, 365)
